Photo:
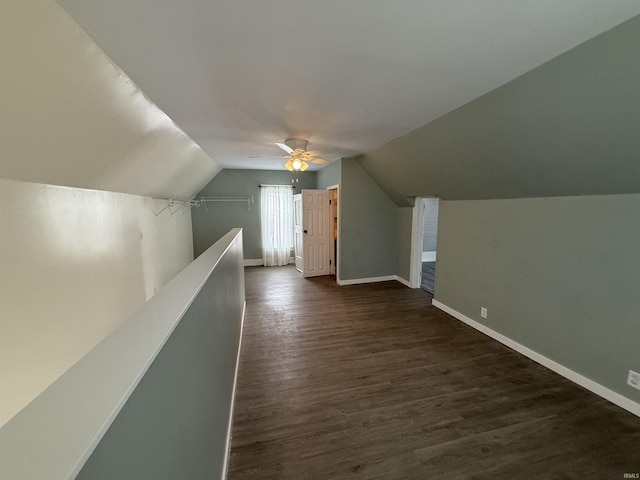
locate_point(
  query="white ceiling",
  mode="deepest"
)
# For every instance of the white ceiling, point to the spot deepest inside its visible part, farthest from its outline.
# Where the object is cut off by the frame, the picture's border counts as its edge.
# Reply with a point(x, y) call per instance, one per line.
point(348, 75)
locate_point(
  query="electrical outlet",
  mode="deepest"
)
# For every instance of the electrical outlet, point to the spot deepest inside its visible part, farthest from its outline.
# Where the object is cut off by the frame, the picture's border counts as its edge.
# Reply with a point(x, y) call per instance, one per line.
point(483, 312)
point(633, 379)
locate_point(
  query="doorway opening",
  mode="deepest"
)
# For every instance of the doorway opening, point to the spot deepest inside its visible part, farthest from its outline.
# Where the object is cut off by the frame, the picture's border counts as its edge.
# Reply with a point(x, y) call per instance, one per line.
point(334, 193)
point(316, 230)
point(424, 243)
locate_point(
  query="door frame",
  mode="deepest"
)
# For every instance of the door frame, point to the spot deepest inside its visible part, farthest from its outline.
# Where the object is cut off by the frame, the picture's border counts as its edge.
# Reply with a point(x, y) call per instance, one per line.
point(337, 252)
point(417, 234)
point(297, 231)
point(417, 238)
point(320, 232)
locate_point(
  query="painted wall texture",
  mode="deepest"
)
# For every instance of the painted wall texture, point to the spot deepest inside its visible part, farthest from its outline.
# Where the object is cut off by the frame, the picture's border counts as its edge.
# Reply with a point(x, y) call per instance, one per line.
point(177, 422)
point(210, 223)
point(330, 175)
point(74, 264)
point(525, 229)
point(141, 395)
point(368, 226)
point(403, 227)
point(568, 127)
point(561, 276)
point(71, 117)
point(369, 220)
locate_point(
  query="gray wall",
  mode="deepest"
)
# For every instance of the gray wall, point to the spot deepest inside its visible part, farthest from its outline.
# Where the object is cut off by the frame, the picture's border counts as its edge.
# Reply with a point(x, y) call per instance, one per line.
point(404, 219)
point(218, 218)
point(176, 422)
point(368, 226)
point(329, 175)
point(558, 275)
point(569, 127)
point(369, 221)
point(559, 272)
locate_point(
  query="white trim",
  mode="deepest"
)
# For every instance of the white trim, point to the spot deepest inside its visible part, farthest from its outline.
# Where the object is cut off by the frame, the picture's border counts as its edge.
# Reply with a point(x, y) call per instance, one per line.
point(600, 390)
point(386, 278)
point(402, 281)
point(355, 281)
point(227, 445)
point(257, 262)
point(335, 263)
point(417, 232)
point(137, 342)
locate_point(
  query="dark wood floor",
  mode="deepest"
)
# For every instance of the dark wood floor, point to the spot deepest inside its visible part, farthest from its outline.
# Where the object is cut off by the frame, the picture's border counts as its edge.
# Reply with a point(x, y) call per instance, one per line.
point(372, 382)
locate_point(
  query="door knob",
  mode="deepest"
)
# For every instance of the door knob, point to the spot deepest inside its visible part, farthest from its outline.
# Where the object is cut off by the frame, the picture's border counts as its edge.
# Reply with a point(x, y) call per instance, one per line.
point(304, 231)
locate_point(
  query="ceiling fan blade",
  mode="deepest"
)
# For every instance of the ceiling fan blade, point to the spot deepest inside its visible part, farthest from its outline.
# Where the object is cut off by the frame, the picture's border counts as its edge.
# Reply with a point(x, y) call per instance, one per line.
point(265, 156)
point(319, 161)
point(284, 147)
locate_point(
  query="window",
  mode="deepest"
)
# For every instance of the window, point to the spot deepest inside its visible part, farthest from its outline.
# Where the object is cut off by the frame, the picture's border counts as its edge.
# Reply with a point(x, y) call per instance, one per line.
point(276, 215)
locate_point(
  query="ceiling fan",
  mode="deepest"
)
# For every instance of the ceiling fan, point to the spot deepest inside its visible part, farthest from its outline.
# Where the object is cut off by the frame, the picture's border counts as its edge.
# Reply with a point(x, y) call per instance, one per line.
point(298, 158)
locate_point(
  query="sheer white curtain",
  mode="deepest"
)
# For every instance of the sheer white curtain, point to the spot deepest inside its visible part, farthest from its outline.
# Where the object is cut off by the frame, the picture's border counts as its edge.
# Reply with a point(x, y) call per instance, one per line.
point(276, 215)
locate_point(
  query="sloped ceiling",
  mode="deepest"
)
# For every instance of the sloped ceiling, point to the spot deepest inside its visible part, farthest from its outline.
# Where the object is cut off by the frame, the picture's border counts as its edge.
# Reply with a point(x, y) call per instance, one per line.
point(349, 76)
point(238, 76)
point(568, 127)
point(69, 116)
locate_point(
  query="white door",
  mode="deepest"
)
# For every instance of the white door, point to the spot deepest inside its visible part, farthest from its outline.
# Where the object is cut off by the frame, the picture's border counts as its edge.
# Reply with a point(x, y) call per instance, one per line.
point(297, 230)
point(316, 233)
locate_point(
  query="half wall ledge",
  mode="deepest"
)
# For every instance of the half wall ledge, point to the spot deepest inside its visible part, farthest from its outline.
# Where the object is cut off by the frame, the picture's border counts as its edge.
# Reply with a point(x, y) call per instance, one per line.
point(128, 409)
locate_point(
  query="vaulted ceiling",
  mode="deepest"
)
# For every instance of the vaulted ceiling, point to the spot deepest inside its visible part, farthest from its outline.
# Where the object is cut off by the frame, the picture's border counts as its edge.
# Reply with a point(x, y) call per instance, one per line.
point(238, 76)
point(69, 116)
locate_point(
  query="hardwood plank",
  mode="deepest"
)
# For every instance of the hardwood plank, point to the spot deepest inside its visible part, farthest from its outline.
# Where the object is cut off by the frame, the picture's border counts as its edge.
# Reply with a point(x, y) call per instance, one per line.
point(372, 382)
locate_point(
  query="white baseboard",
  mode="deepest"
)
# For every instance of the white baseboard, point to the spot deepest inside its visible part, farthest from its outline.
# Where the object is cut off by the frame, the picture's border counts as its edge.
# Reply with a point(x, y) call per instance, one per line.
point(256, 262)
point(227, 445)
point(402, 281)
point(602, 391)
point(355, 281)
point(386, 278)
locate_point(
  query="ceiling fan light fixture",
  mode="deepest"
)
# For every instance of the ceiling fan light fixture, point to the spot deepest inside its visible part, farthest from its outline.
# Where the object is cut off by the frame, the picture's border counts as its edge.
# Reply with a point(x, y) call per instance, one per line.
point(298, 158)
point(296, 164)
